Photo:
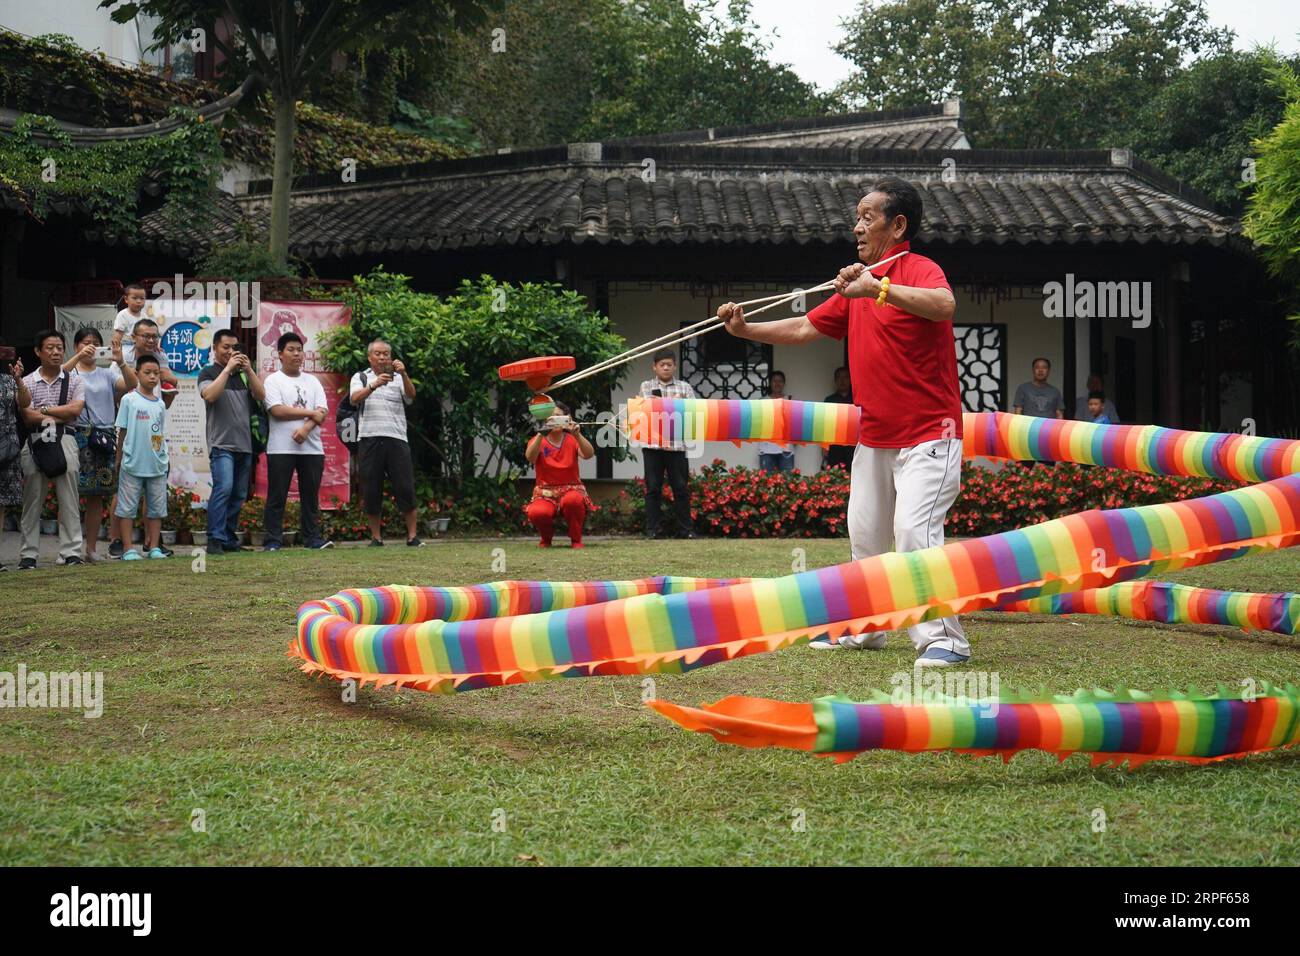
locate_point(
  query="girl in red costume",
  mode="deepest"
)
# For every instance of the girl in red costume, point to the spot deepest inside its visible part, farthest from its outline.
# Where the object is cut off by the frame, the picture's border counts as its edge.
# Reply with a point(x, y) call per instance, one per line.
point(555, 453)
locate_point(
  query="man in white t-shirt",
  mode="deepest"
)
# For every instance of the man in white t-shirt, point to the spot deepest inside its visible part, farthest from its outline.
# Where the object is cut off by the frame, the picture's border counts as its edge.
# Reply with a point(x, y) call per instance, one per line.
point(381, 396)
point(296, 404)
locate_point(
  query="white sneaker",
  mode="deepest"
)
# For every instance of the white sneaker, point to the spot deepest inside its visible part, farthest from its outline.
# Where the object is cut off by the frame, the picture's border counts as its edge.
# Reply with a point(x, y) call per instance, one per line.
point(870, 641)
point(938, 657)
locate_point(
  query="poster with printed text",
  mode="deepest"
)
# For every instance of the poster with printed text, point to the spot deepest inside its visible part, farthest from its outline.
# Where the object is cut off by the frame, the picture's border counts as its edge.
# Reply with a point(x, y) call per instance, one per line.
point(308, 320)
point(187, 327)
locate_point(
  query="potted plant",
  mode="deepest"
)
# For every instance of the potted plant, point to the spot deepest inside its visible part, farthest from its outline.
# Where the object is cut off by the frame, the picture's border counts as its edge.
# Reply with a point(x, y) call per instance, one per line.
point(177, 516)
point(291, 524)
point(250, 521)
point(187, 517)
point(50, 513)
point(437, 515)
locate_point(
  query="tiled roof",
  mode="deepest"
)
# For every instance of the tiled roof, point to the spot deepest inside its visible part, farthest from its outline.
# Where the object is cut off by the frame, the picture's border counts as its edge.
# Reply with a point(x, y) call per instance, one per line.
point(922, 137)
point(937, 126)
point(726, 194)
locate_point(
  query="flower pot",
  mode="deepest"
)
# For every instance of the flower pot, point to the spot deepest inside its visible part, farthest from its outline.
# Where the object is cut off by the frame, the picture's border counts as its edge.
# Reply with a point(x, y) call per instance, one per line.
point(103, 532)
point(184, 536)
point(256, 538)
point(200, 538)
point(49, 526)
point(434, 526)
point(169, 538)
point(289, 537)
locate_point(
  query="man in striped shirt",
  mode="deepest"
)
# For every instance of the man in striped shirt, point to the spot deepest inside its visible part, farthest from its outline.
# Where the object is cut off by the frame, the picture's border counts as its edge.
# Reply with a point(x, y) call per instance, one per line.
point(381, 395)
point(670, 454)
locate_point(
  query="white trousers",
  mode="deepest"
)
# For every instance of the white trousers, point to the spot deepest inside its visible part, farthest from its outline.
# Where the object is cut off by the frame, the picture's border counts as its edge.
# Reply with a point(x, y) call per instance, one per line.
point(35, 485)
point(898, 499)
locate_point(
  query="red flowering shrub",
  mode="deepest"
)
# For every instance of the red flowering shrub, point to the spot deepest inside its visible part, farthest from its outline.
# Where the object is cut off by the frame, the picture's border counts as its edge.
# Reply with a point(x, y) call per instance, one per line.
point(744, 503)
point(347, 522)
point(486, 505)
point(1020, 495)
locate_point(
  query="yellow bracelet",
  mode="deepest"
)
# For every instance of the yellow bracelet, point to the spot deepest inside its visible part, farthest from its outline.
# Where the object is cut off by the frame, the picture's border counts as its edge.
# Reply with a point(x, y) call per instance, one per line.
point(884, 291)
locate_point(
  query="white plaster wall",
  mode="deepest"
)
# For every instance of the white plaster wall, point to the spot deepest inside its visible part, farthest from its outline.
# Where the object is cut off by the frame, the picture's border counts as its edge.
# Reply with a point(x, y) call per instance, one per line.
point(1081, 365)
point(83, 20)
point(1029, 334)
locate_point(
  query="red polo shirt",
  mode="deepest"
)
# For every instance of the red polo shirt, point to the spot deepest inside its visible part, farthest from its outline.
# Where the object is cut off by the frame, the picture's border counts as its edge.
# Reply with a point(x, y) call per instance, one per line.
point(904, 367)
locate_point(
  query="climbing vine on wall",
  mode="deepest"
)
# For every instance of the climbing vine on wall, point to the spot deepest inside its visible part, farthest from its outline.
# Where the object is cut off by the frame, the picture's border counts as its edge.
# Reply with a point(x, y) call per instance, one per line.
point(325, 139)
point(51, 74)
point(44, 168)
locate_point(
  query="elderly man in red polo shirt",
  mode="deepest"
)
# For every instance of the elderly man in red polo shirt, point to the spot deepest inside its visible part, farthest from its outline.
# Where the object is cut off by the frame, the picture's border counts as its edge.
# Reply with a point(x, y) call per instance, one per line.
point(903, 362)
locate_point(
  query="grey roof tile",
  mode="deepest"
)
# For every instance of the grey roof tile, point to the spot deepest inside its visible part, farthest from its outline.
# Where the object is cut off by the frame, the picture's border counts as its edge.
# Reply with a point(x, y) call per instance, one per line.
point(719, 194)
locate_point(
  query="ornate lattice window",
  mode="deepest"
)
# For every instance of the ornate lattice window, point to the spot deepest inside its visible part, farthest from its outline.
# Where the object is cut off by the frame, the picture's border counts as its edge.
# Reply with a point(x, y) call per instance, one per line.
point(719, 365)
point(981, 366)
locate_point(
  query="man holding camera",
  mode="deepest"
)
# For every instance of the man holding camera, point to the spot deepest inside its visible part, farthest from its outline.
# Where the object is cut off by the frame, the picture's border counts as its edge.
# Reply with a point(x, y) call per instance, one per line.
point(559, 492)
point(381, 396)
point(670, 454)
point(225, 387)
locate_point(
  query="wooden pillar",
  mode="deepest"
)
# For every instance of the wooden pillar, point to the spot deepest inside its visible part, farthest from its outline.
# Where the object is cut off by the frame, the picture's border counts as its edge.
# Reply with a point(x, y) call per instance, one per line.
point(10, 239)
point(1212, 410)
point(1096, 348)
point(1171, 406)
point(600, 303)
point(1070, 372)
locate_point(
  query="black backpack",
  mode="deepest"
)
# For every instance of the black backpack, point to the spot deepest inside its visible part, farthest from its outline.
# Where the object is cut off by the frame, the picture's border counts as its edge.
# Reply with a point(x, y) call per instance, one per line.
point(259, 422)
point(347, 420)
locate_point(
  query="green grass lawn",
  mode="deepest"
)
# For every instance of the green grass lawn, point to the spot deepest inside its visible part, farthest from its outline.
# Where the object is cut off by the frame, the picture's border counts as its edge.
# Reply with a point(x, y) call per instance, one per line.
point(205, 712)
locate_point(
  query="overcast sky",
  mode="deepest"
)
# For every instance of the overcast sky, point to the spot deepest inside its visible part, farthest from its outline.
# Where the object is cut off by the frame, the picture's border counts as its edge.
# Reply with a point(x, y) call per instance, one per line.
point(806, 29)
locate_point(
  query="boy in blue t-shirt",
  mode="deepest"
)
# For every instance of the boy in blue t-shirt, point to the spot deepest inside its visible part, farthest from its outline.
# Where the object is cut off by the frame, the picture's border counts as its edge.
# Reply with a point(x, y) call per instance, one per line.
point(142, 456)
point(1097, 408)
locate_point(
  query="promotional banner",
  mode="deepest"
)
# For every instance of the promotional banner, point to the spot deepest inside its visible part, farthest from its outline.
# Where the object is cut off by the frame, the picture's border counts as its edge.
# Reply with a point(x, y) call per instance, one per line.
point(187, 326)
point(308, 320)
point(68, 319)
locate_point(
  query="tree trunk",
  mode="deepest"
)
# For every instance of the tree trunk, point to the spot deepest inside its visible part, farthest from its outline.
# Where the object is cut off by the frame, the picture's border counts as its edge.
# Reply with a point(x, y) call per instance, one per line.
point(286, 124)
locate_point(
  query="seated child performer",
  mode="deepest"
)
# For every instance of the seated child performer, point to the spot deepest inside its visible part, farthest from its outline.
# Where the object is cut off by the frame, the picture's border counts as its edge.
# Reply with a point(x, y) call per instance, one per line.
point(554, 451)
point(142, 457)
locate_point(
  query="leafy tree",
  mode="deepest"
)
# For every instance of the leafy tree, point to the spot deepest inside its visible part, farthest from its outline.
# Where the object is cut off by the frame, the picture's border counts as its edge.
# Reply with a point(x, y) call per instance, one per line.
point(285, 43)
point(674, 67)
point(523, 79)
point(453, 347)
point(1201, 126)
point(244, 260)
point(450, 130)
point(593, 69)
point(1030, 73)
point(1273, 216)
